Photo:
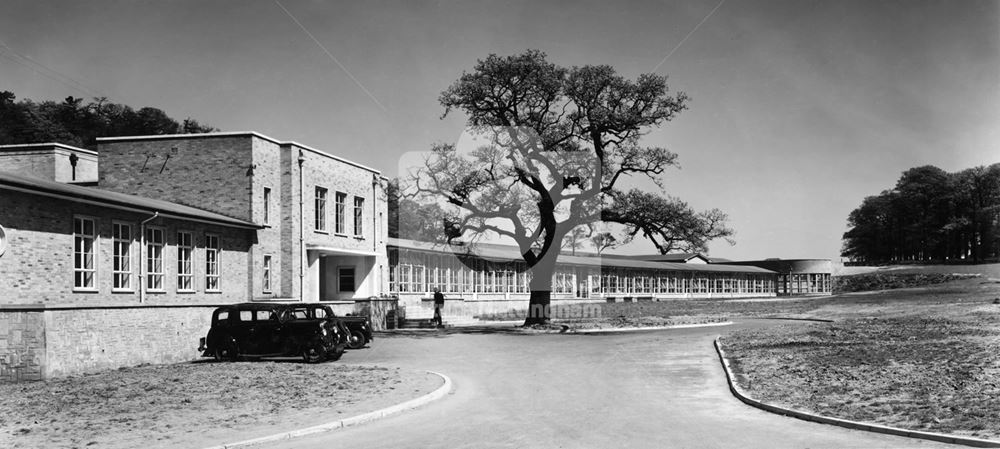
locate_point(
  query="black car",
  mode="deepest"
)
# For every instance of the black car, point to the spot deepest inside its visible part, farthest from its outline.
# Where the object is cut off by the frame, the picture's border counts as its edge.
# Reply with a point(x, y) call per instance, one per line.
point(359, 328)
point(274, 330)
point(361, 331)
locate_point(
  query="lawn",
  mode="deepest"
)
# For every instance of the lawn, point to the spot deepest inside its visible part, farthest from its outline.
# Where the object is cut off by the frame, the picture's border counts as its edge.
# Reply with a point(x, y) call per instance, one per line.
point(196, 404)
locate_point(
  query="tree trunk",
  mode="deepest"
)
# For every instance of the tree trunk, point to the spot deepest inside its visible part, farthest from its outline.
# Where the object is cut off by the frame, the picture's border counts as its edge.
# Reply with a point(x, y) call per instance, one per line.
point(539, 309)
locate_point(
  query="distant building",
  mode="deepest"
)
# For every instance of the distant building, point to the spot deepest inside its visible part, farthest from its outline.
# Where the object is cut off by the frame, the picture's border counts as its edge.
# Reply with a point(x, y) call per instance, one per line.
point(492, 279)
point(797, 276)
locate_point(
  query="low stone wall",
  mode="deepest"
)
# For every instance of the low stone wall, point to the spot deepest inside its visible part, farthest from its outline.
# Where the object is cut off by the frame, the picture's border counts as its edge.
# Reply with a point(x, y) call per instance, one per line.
point(42, 342)
point(22, 345)
point(89, 340)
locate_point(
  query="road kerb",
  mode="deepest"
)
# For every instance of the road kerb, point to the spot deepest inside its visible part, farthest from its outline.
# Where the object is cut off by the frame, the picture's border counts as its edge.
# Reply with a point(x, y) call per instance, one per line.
point(738, 392)
point(439, 393)
point(639, 329)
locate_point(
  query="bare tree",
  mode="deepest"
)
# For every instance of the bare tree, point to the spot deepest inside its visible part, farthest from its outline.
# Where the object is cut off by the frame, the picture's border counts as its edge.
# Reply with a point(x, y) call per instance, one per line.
point(559, 142)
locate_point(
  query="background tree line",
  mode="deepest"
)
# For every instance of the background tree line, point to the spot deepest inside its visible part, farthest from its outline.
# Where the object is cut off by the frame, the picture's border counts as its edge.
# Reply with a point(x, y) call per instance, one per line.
point(930, 216)
point(72, 122)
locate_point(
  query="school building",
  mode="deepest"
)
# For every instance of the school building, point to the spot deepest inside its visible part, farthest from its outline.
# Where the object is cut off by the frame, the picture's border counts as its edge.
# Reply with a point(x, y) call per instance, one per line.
point(117, 257)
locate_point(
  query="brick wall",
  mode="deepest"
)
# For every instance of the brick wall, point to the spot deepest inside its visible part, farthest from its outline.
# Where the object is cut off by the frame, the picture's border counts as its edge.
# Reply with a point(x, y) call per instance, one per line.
point(22, 345)
point(208, 172)
point(29, 162)
point(267, 174)
point(38, 264)
point(322, 171)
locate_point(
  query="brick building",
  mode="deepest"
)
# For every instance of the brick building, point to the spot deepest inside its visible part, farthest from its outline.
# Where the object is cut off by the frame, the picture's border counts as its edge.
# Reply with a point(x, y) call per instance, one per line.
point(117, 257)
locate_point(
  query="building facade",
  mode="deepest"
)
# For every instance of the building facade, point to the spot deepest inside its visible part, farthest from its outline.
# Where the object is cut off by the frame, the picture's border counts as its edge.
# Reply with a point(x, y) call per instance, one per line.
point(117, 258)
point(490, 279)
point(798, 276)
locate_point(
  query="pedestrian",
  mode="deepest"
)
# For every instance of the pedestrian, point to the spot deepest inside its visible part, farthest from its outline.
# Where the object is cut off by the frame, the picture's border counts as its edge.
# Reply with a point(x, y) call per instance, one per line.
point(438, 305)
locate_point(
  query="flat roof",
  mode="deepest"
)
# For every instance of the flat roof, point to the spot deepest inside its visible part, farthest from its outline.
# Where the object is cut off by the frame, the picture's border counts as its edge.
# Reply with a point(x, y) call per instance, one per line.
point(236, 134)
point(510, 253)
point(117, 200)
point(25, 146)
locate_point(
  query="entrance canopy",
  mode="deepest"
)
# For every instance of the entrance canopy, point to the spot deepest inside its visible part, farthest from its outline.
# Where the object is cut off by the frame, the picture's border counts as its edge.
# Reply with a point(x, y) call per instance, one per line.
point(335, 251)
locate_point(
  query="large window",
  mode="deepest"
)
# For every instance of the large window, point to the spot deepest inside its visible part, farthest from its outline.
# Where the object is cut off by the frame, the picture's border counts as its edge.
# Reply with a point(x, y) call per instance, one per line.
point(359, 207)
point(84, 264)
point(267, 274)
point(121, 233)
point(320, 209)
point(212, 262)
point(185, 267)
point(340, 219)
point(154, 259)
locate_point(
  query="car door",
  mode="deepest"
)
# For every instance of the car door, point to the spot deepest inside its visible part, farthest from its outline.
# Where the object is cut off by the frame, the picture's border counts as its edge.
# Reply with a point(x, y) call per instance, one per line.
point(266, 332)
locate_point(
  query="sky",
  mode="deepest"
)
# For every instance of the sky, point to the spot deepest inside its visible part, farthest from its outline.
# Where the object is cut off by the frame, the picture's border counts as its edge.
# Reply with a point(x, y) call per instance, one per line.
point(799, 109)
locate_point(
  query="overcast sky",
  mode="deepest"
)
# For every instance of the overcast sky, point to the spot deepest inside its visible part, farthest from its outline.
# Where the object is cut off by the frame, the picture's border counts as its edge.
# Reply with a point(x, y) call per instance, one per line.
point(799, 108)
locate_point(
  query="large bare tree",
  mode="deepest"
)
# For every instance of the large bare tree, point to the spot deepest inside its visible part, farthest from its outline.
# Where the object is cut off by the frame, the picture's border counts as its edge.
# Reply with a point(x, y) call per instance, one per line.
point(554, 144)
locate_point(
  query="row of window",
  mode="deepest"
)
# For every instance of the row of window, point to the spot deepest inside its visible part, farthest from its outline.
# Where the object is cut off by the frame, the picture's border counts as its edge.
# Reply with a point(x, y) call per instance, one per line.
point(417, 272)
point(85, 268)
point(340, 212)
point(805, 283)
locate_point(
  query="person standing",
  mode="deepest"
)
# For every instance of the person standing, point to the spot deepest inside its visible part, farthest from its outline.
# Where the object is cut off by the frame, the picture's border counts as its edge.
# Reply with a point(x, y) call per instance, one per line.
point(438, 306)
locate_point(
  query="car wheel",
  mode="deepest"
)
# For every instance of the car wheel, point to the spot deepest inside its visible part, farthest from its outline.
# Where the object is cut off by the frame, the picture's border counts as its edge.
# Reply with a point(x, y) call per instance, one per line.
point(335, 355)
point(314, 353)
point(356, 340)
point(227, 352)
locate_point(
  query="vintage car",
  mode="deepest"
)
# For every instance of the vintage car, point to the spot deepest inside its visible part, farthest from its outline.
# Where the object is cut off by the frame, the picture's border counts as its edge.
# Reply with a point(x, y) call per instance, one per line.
point(255, 330)
point(359, 328)
point(361, 331)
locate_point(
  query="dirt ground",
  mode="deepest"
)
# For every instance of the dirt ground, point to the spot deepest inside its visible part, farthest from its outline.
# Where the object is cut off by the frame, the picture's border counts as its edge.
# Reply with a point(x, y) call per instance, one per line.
point(923, 359)
point(196, 404)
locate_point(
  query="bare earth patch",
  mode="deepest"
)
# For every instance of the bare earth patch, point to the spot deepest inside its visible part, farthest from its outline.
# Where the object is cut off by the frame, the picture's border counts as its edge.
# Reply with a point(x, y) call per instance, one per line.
point(930, 374)
point(196, 404)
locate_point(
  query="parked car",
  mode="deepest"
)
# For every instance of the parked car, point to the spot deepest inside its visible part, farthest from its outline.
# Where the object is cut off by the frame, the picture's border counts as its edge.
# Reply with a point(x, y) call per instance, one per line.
point(274, 330)
point(359, 328)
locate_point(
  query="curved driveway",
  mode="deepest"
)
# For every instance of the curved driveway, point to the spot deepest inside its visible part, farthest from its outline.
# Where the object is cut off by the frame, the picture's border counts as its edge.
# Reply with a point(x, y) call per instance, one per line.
point(660, 389)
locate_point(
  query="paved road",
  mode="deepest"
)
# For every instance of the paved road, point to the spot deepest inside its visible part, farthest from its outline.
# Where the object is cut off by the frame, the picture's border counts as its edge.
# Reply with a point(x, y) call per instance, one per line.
point(660, 389)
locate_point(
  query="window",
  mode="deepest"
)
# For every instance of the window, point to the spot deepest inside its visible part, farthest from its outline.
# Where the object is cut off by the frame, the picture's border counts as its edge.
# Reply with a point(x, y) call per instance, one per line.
point(3, 241)
point(341, 226)
point(320, 209)
point(211, 262)
point(267, 205)
point(154, 259)
point(359, 206)
point(185, 268)
point(121, 234)
point(267, 274)
point(84, 266)
point(345, 281)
